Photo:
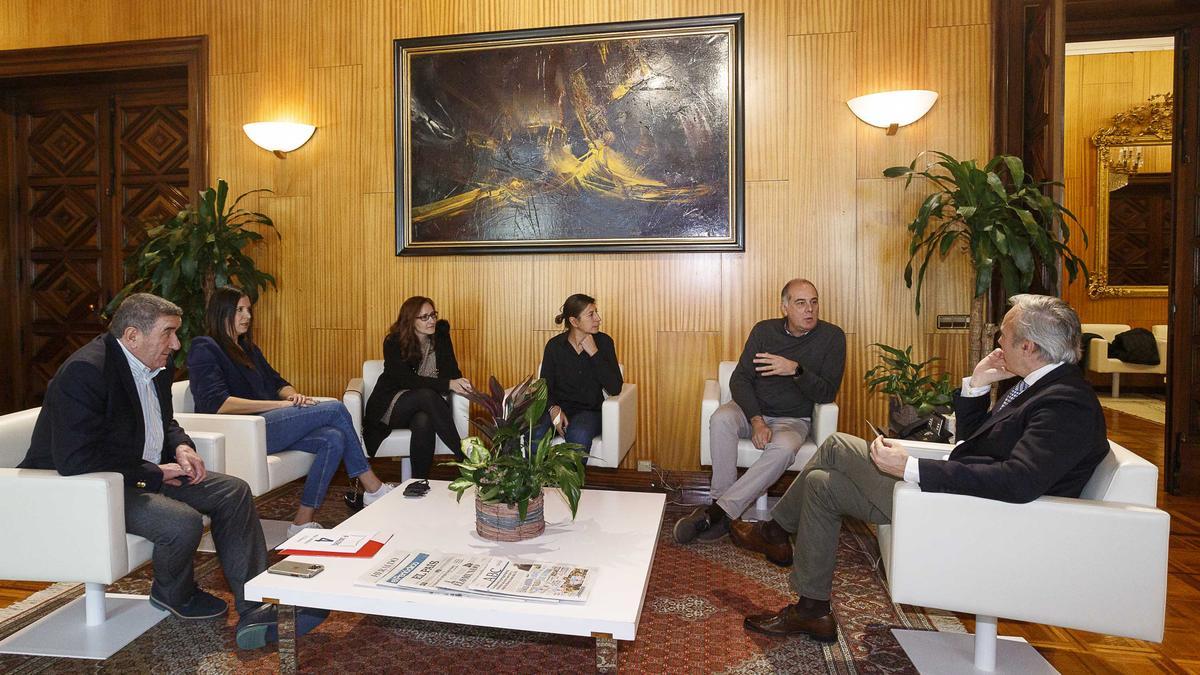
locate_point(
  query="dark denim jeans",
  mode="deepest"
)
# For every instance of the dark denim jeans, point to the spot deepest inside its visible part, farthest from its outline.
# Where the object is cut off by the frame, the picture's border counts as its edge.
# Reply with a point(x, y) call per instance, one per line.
point(324, 430)
point(582, 427)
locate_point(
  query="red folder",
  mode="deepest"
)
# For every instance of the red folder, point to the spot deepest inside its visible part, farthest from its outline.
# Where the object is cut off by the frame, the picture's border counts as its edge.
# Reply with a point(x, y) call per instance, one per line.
point(368, 550)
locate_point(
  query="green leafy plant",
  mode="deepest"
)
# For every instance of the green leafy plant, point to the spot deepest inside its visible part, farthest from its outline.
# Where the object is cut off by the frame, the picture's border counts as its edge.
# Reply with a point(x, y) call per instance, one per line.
point(200, 248)
point(516, 466)
point(999, 215)
point(904, 379)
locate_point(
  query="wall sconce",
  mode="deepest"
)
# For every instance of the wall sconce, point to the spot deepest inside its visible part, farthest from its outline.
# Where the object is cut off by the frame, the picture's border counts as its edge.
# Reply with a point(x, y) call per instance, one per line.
point(892, 109)
point(279, 137)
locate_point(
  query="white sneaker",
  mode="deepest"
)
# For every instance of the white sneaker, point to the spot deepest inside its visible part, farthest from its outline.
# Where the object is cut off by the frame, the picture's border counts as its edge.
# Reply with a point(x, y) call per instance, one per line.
point(295, 529)
point(371, 497)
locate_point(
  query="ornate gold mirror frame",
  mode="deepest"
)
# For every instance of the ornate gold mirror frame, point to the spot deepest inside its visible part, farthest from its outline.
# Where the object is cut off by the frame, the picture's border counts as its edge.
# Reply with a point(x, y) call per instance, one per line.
point(1118, 150)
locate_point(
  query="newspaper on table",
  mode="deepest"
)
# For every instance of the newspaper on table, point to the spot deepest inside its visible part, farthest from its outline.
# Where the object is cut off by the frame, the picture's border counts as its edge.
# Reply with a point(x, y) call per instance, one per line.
point(460, 574)
point(541, 581)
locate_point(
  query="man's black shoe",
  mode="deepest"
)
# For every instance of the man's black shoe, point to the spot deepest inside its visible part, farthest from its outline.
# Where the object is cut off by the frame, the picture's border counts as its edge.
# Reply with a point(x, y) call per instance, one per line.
point(259, 627)
point(687, 527)
point(202, 605)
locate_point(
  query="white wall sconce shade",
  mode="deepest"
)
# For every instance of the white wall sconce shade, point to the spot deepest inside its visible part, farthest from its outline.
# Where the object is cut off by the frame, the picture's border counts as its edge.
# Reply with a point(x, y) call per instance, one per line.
point(893, 109)
point(279, 137)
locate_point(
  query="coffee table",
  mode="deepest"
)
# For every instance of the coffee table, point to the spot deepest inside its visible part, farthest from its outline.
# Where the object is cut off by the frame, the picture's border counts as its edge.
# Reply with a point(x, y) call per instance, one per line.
point(614, 532)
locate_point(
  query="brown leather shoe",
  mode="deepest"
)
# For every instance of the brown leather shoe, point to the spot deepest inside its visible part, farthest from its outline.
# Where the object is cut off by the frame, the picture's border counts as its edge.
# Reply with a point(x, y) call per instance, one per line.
point(750, 536)
point(794, 620)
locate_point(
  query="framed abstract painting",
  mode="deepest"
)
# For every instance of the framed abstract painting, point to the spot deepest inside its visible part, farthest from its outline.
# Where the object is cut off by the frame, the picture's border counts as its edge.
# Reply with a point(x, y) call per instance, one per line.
point(609, 137)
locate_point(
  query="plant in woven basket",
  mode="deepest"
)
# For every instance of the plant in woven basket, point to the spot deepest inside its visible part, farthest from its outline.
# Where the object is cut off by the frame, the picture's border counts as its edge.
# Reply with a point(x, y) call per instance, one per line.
point(508, 465)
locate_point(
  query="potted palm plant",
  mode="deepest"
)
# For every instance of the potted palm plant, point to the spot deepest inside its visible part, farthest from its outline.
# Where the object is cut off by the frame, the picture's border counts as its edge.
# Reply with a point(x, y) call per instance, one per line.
point(914, 395)
point(509, 466)
point(200, 248)
point(998, 215)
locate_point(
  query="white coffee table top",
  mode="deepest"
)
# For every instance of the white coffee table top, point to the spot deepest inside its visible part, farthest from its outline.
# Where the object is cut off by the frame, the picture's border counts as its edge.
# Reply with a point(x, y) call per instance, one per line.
point(614, 532)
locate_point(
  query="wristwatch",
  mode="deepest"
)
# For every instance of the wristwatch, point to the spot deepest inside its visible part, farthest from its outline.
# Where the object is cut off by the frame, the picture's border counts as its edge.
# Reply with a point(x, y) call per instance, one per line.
point(799, 369)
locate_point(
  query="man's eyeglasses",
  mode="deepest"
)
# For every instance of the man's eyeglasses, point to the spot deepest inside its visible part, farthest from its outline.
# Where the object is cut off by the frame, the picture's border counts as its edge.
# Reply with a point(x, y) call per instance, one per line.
point(432, 316)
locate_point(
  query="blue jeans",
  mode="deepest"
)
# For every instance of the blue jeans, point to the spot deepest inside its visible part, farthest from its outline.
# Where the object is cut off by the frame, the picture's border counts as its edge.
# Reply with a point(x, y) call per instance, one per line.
point(582, 427)
point(324, 430)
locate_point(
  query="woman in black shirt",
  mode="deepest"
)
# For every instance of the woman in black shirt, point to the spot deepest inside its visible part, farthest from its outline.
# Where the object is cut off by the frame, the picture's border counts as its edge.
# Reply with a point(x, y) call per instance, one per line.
point(419, 369)
point(579, 366)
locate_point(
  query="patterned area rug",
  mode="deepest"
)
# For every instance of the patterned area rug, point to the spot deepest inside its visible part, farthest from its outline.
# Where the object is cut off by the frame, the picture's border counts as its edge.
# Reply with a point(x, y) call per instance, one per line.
point(691, 621)
point(1138, 405)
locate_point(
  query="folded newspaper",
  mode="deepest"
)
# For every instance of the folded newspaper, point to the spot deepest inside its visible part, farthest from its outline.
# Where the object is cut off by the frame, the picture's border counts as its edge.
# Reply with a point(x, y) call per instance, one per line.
point(460, 574)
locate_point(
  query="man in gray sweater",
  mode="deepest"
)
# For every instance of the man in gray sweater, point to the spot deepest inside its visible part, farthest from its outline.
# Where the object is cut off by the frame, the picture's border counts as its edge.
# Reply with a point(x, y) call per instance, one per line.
point(786, 366)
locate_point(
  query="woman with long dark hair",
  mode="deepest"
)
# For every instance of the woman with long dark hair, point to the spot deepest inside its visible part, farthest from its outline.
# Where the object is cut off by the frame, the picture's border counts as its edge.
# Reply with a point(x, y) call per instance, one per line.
point(579, 366)
point(419, 369)
point(230, 375)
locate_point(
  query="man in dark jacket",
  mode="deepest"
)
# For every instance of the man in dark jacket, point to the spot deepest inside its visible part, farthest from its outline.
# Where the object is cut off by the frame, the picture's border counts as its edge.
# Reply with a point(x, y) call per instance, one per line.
point(108, 408)
point(1044, 437)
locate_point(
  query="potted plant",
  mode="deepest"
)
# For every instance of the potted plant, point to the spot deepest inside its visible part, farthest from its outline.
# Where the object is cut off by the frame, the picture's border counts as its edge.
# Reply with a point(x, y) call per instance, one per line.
point(913, 395)
point(510, 469)
point(999, 216)
point(198, 249)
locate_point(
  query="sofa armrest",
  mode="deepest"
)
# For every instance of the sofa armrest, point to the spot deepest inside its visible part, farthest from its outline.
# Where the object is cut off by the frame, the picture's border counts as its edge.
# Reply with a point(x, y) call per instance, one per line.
point(245, 444)
point(927, 449)
point(353, 400)
point(618, 421)
point(62, 528)
point(1097, 357)
point(824, 422)
point(708, 405)
point(211, 448)
point(460, 411)
point(1058, 561)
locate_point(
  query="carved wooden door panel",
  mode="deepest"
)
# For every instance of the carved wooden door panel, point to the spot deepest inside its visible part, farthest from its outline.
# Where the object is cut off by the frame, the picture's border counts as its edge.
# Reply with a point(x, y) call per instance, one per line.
point(94, 165)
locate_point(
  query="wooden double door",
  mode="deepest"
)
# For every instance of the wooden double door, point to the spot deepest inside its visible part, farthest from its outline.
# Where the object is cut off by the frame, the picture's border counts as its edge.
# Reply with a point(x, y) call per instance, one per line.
point(92, 161)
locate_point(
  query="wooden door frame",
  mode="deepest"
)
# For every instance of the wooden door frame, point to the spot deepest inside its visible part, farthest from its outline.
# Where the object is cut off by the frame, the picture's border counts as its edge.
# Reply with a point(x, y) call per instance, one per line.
point(191, 53)
point(1115, 19)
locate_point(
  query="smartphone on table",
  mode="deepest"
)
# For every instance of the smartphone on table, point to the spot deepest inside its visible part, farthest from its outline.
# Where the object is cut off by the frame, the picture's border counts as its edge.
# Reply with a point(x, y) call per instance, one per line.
point(296, 569)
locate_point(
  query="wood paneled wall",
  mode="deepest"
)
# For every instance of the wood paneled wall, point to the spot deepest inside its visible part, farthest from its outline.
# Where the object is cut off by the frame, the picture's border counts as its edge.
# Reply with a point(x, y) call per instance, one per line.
point(816, 204)
point(1099, 86)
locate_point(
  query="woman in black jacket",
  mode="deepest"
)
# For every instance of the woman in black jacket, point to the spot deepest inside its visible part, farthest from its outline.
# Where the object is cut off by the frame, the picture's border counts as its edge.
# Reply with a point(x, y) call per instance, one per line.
point(419, 369)
point(579, 366)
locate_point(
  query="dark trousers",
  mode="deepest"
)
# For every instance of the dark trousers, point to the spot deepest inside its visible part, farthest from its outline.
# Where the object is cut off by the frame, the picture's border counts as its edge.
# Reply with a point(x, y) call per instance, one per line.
point(582, 427)
point(428, 416)
point(171, 520)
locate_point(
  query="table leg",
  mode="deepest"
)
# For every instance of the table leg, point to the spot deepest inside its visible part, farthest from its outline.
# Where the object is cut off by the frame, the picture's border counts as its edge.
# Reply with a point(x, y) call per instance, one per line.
point(289, 658)
point(606, 653)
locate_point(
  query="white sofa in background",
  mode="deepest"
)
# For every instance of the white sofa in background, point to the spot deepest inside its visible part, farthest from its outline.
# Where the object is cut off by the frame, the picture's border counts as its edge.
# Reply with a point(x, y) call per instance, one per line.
point(1097, 563)
point(618, 426)
point(72, 529)
point(358, 392)
point(1098, 360)
point(716, 393)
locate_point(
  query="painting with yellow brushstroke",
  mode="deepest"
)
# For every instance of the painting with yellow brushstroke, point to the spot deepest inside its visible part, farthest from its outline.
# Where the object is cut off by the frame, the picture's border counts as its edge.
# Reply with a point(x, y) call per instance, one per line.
point(589, 138)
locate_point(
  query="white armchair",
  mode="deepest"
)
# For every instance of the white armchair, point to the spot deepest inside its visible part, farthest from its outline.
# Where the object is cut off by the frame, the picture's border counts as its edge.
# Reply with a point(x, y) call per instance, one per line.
point(246, 443)
point(72, 528)
point(358, 392)
point(716, 393)
point(1098, 360)
point(618, 426)
point(1097, 563)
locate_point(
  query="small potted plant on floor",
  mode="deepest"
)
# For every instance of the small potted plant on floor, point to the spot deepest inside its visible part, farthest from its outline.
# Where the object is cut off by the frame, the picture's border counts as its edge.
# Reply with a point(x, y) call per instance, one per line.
point(914, 396)
point(509, 467)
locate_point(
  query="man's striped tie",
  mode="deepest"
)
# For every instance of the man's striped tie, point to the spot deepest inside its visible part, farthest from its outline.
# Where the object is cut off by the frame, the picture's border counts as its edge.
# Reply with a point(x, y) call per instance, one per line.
point(1012, 394)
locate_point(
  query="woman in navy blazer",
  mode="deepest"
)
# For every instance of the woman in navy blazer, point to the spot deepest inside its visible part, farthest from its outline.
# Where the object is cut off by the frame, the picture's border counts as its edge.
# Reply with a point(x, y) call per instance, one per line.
point(230, 375)
point(419, 369)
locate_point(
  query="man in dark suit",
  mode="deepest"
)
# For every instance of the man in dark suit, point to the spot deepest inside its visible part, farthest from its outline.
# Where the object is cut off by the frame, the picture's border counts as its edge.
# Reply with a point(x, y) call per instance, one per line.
point(1044, 437)
point(108, 408)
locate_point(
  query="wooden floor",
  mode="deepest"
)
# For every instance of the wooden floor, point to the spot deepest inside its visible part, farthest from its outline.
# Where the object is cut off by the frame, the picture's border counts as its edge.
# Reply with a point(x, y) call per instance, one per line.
point(1068, 650)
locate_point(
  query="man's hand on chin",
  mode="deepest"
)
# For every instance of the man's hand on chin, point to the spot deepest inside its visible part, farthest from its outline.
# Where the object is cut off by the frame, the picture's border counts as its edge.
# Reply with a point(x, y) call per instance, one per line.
point(889, 456)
